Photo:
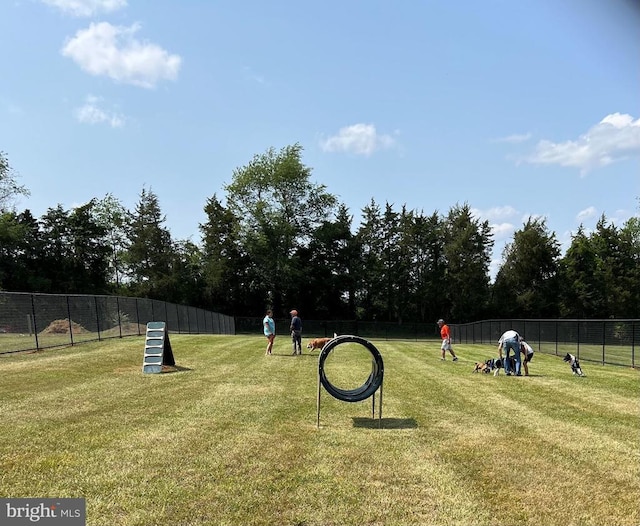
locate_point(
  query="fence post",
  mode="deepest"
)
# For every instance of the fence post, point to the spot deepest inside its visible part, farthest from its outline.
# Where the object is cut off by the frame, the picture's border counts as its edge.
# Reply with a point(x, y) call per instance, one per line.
point(69, 319)
point(539, 333)
point(633, 344)
point(35, 322)
point(604, 337)
point(137, 317)
point(95, 300)
point(119, 318)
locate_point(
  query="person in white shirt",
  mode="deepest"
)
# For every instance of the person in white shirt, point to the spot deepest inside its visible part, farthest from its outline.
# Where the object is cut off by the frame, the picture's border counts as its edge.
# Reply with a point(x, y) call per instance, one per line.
point(527, 351)
point(510, 341)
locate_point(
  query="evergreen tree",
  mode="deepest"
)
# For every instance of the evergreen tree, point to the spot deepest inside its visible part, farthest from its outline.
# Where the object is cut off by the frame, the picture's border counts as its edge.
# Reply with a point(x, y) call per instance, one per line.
point(579, 279)
point(526, 284)
point(425, 240)
point(12, 234)
point(467, 251)
point(630, 242)
point(185, 283)
point(227, 284)
point(89, 251)
point(371, 300)
point(331, 265)
point(150, 253)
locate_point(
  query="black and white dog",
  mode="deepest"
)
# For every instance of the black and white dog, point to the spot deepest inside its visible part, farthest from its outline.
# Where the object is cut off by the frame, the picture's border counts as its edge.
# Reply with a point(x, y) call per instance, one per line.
point(575, 364)
point(494, 365)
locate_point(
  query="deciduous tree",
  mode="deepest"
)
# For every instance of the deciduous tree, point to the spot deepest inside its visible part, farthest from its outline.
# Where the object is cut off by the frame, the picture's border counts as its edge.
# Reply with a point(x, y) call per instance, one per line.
point(278, 207)
point(9, 187)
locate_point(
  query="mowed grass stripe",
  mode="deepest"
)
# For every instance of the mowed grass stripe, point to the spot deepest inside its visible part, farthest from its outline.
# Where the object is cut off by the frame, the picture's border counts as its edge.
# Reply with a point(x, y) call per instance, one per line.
point(232, 439)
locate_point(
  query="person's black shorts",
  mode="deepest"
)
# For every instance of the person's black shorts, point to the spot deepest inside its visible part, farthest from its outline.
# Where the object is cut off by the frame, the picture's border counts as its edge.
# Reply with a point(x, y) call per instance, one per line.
point(528, 358)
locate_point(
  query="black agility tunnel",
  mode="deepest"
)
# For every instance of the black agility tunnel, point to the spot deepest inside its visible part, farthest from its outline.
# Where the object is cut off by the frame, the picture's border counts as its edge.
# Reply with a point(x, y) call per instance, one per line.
point(371, 385)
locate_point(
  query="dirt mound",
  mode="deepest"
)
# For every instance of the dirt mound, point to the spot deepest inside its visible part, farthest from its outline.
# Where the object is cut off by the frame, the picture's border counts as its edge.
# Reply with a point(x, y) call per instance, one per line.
point(63, 327)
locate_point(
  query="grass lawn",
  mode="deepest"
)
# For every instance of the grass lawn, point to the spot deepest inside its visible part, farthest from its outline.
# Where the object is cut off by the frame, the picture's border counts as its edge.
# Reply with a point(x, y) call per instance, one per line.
point(230, 438)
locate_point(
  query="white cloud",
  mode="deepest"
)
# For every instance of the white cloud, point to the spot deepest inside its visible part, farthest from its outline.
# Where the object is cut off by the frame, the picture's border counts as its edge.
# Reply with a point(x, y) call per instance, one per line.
point(533, 217)
point(86, 7)
point(587, 213)
point(496, 213)
point(502, 230)
point(614, 138)
point(621, 216)
point(514, 139)
point(108, 50)
point(360, 139)
point(498, 217)
point(92, 113)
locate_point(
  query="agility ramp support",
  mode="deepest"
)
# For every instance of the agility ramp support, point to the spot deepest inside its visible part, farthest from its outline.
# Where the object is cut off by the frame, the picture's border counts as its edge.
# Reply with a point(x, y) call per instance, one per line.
point(366, 390)
point(157, 348)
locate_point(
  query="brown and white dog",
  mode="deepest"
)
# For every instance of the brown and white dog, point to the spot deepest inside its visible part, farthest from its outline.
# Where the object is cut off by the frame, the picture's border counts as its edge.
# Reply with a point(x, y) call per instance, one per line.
point(319, 343)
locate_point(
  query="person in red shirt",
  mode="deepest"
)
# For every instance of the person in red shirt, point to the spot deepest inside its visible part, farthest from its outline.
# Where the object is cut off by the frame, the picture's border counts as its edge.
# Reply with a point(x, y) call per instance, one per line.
point(446, 340)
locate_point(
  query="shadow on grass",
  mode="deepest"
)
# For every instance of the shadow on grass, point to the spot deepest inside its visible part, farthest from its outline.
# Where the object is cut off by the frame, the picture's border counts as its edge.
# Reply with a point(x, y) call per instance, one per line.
point(167, 369)
point(291, 355)
point(386, 423)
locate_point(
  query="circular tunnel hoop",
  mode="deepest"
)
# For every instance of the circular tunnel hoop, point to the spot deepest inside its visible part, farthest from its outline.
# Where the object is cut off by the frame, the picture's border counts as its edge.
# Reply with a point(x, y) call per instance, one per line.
point(369, 387)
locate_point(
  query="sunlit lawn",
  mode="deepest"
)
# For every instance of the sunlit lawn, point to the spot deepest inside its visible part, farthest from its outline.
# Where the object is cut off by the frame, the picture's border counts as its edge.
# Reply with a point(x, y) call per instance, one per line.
point(231, 437)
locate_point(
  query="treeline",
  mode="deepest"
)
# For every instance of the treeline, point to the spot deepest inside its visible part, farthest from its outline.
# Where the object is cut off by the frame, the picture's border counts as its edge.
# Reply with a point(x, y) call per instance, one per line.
point(279, 240)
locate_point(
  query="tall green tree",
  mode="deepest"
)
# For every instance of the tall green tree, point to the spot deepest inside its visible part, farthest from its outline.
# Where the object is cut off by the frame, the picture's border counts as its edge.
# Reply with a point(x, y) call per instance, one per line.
point(425, 241)
point(74, 253)
point(402, 271)
point(150, 254)
point(227, 282)
point(89, 251)
point(610, 267)
point(278, 207)
point(467, 251)
point(331, 266)
point(56, 234)
point(371, 299)
point(580, 282)
point(31, 256)
point(630, 242)
point(391, 262)
point(526, 285)
point(185, 282)
point(12, 235)
point(111, 215)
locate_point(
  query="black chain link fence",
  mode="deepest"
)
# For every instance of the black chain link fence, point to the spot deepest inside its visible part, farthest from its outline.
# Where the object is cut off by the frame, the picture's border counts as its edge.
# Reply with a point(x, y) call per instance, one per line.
point(610, 341)
point(38, 321)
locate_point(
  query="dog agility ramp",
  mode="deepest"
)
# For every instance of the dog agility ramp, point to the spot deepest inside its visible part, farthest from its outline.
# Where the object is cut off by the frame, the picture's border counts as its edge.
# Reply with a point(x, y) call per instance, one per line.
point(157, 348)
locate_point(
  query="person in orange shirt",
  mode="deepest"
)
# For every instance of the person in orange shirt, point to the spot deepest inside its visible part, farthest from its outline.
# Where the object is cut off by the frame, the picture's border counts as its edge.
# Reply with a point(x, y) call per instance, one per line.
point(446, 340)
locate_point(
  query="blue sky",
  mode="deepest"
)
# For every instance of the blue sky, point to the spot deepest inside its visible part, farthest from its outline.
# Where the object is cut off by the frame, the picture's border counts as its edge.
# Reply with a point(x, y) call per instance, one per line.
point(518, 108)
